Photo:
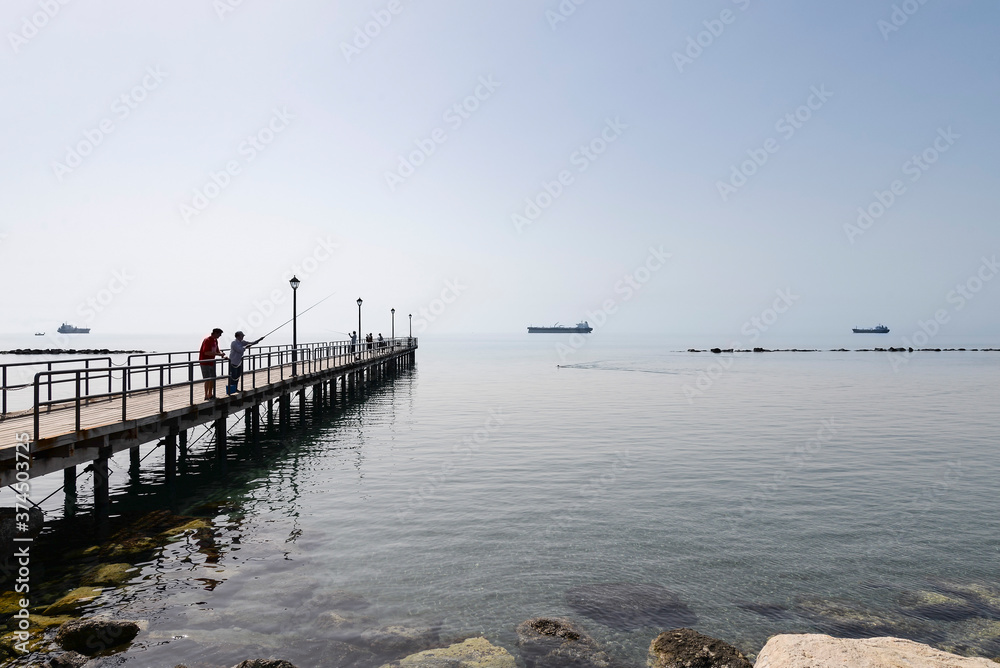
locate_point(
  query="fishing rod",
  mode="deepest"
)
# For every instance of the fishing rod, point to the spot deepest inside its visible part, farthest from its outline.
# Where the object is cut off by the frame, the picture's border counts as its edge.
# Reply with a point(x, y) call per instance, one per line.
point(297, 315)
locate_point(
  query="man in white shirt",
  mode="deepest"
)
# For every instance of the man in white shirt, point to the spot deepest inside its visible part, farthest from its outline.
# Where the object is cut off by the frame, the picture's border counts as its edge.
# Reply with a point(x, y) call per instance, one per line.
point(236, 360)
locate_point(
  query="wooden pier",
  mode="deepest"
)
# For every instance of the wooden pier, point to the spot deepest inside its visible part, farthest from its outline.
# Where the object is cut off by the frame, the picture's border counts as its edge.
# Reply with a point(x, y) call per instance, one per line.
point(86, 410)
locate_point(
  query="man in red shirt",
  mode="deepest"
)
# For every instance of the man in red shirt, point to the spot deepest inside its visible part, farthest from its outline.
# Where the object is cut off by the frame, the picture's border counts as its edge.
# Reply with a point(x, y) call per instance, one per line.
point(209, 351)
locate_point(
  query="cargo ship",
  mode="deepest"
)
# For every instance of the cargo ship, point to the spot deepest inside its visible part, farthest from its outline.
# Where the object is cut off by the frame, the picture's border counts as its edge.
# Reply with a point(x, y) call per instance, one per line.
point(66, 328)
point(880, 329)
point(579, 328)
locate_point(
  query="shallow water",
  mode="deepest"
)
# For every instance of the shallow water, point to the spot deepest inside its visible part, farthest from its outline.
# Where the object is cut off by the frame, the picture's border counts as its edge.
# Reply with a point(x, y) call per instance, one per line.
point(476, 490)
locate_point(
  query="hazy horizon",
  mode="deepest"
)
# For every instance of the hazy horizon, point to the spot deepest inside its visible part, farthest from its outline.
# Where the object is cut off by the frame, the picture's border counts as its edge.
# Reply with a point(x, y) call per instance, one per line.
point(723, 168)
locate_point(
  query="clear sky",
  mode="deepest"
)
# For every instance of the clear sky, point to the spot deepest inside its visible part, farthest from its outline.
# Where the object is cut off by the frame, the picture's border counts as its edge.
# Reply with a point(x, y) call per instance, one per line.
point(491, 165)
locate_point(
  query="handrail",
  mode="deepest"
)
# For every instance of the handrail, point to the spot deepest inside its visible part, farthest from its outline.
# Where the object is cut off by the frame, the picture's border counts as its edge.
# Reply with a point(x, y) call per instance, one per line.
point(310, 358)
point(5, 387)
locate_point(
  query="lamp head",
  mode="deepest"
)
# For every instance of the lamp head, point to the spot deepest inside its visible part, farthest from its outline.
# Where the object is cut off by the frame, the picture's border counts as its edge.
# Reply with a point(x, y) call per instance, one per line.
point(294, 282)
point(359, 301)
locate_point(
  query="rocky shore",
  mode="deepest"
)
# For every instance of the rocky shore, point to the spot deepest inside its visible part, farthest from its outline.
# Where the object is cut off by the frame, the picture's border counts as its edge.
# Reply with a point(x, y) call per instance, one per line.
point(67, 626)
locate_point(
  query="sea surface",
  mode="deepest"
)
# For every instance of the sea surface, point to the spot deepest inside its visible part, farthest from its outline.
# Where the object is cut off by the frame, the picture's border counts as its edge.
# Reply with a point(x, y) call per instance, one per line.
point(770, 492)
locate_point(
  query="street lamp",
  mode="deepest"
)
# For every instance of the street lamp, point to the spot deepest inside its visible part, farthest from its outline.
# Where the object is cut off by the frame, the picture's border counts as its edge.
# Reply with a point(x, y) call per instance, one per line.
point(411, 325)
point(359, 324)
point(393, 312)
point(294, 282)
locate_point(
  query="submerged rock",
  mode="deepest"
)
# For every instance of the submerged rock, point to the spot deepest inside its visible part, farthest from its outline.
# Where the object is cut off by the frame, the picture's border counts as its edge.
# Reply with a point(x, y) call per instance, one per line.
point(821, 651)
point(554, 642)
point(108, 575)
point(339, 600)
point(94, 634)
point(472, 653)
point(66, 660)
point(686, 648)
point(847, 619)
point(71, 601)
point(264, 663)
point(936, 606)
point(626, 606)
point(398, 641)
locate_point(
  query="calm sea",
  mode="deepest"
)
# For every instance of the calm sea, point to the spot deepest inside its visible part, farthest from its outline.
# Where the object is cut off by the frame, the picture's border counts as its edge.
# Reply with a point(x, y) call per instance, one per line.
point(475, 490)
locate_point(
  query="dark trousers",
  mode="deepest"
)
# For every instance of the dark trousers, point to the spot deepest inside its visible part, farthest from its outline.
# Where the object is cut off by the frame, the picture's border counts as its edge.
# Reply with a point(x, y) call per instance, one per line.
point(234, 375)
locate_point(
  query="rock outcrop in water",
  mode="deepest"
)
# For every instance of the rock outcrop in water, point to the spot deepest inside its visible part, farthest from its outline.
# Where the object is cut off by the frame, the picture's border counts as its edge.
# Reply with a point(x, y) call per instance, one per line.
point(821, 651)
point(94, 634)
point(554, 642)
point(627, 606)
point(686, 648)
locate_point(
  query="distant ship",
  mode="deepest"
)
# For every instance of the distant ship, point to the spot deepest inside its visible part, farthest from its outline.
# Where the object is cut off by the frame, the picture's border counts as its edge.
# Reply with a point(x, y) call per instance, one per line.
point(579, 328)
point(39, 333)
point(881, 329)
point(70, 329)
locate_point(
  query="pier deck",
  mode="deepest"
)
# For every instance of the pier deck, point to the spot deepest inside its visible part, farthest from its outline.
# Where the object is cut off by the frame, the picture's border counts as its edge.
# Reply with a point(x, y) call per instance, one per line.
point(141, 402)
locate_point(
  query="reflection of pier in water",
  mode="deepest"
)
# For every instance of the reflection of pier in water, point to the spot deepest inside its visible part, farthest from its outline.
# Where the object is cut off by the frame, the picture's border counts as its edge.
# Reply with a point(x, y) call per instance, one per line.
point(86, 410)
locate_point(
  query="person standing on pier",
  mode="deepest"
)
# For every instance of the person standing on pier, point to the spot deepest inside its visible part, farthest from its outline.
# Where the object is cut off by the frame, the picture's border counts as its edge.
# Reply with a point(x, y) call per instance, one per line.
point(236, 360)
point(206, 356)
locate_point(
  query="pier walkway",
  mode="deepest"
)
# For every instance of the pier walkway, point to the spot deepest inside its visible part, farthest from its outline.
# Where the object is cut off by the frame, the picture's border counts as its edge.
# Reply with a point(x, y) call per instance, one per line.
point(87, 409)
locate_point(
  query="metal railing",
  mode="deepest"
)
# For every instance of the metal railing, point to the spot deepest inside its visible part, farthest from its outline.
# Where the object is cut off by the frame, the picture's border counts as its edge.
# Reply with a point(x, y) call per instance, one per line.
point(102, 365)
point(261, 367)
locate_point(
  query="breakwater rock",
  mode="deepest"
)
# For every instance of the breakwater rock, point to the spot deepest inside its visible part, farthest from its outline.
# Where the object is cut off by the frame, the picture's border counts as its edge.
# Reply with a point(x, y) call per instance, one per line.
point(811, 650)
point(472, 653)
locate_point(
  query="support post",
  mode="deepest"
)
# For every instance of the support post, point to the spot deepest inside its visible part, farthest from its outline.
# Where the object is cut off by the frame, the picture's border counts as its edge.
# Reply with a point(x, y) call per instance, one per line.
point(170, 457)
point(102, 487)
point(220, 441)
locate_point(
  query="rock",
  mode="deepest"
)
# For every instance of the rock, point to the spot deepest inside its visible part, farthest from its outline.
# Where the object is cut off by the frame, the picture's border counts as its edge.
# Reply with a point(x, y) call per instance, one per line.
point(554, 642)
point(847, 619)
point(264, 663)
point(71, 601)
point(108, 575)
point(811, 650)
point(95, 634)
point(473, 653)
point(716, 350)
point(626, 606)
point(685, 648)
point(398, 641)
point(66, 660)
point(937, 606)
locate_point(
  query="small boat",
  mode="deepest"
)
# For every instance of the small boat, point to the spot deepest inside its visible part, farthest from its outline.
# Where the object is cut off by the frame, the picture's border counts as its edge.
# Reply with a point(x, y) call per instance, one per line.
point(39, 333)
point(579, 328)
point(880, 329)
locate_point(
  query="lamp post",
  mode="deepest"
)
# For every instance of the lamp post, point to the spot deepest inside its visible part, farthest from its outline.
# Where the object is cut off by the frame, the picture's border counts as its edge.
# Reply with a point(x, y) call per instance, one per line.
point(360, 347)
point(411, 325)
point(294, 282)
point(393, 334)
